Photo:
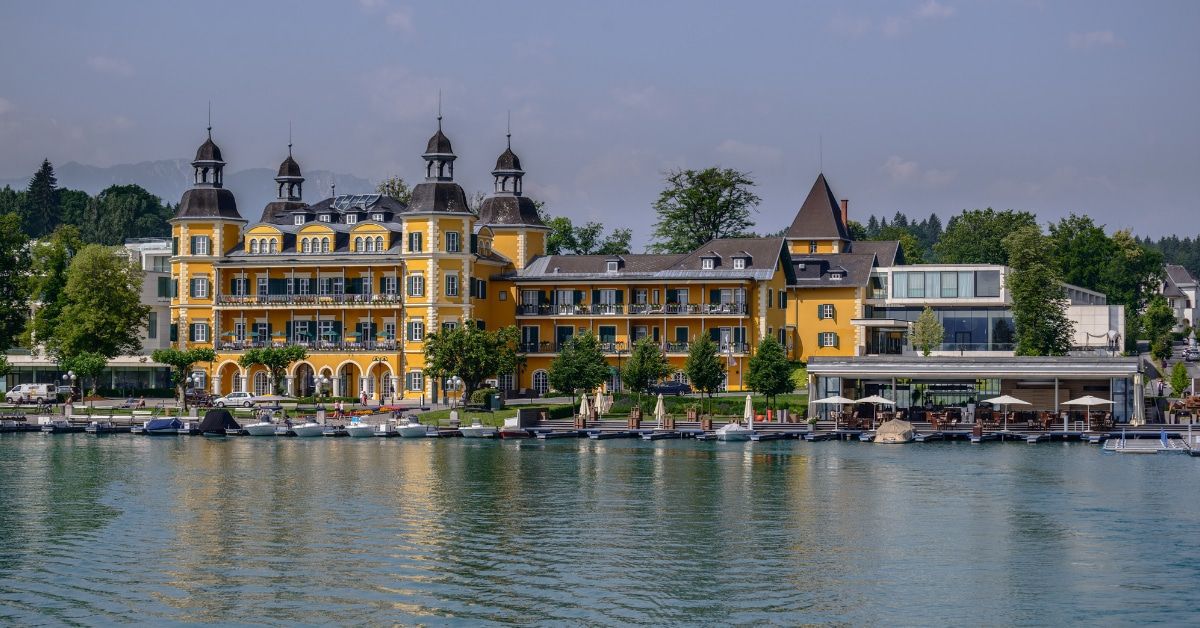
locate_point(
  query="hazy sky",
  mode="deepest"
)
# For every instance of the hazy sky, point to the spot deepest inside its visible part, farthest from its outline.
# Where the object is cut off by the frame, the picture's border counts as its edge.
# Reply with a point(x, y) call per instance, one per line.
point(923, 105)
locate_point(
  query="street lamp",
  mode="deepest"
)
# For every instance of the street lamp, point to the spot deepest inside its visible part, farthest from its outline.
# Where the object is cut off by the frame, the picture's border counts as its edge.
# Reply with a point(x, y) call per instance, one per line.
point(454, 382)
point(69, 377)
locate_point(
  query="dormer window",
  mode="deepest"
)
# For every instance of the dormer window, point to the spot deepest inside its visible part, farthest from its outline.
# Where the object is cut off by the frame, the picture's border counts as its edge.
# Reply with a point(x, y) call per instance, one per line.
point(325, 218)
point(739, 263)
point(298, 220)
point(836, 275)
point(351, 219)
point(377, 217)
point(612, 266)
point(707, 263)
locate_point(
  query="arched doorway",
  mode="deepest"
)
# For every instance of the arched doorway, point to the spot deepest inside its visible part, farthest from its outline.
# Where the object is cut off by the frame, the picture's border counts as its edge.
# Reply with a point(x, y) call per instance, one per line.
point(349, 375)
point(230, 375)
point(303, 380)
point(379, 381)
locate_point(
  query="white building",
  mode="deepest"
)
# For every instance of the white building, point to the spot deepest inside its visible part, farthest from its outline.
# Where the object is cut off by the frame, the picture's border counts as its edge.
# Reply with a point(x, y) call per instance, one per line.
point(1182, 292)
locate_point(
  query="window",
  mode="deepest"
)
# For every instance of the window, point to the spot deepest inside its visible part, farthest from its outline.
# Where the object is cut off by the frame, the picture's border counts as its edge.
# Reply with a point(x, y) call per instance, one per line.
point(782, 300)
point(262, 384)
point(358, 244)
point(325, 218)
point(827, 339)
point(414, 380)
point(739, 263)
point(324, 245)
point(612, 266)
point(987, 283)
point(541, 382)
point(378, 244)
point(451, 284)
point(237, 286)
point(298, 220)
point(351, 219)
point(706, 263)
point(199, 332)
point(304, 247)
point(453, 242)
point(416, 330)
point(152, 326)
point(949, 285)
point(274, 245)
point(825, 311)
point(812, 246)
point(388, 286)
point(254, 246)
point(164, 287)
point(160, 264)
point(416, 285)
point(200, 287)
point(414, 242)
point(783, 337)
point(200, 245)
point(449, 325)
point(377, 217)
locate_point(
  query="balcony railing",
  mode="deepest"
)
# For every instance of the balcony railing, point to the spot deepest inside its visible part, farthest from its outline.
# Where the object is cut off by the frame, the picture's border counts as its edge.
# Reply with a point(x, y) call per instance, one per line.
point(547, 346)
point(636, 309)
point(338, 346)
point(309, 299)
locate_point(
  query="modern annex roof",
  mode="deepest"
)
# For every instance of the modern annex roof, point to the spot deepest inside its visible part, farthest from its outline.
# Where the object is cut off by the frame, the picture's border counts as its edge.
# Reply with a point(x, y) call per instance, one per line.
point(760, 259)
point(820, 217)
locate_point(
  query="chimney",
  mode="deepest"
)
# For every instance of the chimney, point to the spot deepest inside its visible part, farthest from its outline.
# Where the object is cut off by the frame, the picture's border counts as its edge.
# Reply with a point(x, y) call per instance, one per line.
point(845, 211)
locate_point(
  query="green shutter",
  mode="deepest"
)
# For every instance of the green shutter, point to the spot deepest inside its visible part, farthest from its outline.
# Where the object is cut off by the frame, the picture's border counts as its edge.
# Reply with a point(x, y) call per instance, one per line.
point(714, 296)
point(715, 334)
point(819, 313)
point(836, 341)
point(288, 330)
point(578, 297)
point(833, 311)
point(208, 332)
point(595, 296)
point(620, 297)
point(174, 332)
point(672, 296)
point(174, 246)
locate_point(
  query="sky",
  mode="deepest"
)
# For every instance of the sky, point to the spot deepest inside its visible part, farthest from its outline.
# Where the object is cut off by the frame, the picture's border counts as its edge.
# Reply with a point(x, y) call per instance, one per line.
point(917, 106)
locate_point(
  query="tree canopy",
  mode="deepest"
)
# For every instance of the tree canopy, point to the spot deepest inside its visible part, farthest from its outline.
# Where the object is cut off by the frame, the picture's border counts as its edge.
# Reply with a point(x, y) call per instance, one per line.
point(579, 366)
point(472, 353)
point(276, 360)
point(103, 313)
point(124, 211)
point(181, 362)
point(646, 366)
point(1039, 301)
point(769, 373)
point(704, 366)
point(395, 187)
point(14, 280)
point(927, 332)
point(701, 205)
point(977, 236)
point(567, 238)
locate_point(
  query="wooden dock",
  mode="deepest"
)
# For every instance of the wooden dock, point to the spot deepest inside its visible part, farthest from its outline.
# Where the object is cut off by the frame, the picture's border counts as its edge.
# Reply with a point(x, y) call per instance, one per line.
point(1147, 446)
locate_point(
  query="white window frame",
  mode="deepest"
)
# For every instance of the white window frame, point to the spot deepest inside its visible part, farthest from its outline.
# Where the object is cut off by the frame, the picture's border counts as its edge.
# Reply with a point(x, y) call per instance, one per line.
point(453, 242)
point(324, 218)
point(414, 380)
point(415, 330)
point(199, 332)
point(377, 217)
point(707, 263)
point(200, 287)
point(351, 219)
point(451, 280)
point(827, 311)
point(739, 263)
point(543, 386)
point(415, 285)
point(612, 267)
point(298, 220)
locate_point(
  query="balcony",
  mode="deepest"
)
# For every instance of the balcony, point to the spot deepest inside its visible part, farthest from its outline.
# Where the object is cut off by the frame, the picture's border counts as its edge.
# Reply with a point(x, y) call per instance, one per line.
point(316, 346)
point(611, 348)
point(308, 300)
point(633, 309)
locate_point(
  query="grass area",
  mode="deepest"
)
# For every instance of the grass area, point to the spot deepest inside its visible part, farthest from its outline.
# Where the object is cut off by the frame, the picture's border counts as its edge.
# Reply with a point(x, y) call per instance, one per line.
point(466, 417)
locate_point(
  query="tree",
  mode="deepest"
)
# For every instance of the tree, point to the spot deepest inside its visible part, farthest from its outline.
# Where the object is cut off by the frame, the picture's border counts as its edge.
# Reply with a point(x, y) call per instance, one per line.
point(580, 365)
point(1082, 251)
point(396, 188)
point(646, 366)
point(471, 353)
point(50, 260)
point(566, 238)
point(977, 236)
point(103, 313)
point(699, 206)
point(73, 207)
point(14, 281)
point(769, 372)
point(1039, 300)
point(86, 364)
point(1157, 322)
point(857, 231)
point(1180, 380)
point(704, 367)
point(181, 362)
point(125, 211)
point(275, 359)
point(927, 331)
point(1131, 274)
point(40, 210)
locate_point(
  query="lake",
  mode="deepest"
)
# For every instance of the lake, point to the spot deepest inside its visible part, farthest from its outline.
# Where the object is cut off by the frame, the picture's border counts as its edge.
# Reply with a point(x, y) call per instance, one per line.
point(120, 528)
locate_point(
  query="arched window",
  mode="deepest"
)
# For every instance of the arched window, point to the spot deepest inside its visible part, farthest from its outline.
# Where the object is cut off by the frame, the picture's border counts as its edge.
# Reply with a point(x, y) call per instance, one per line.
point(262, 384)
point(324, 245)
point(304, 245)
point(379, 244)
point(274, 245)
point(541, 382)
point(370, 244)
point(254, 246)
point(506, 382)
point(358, 244)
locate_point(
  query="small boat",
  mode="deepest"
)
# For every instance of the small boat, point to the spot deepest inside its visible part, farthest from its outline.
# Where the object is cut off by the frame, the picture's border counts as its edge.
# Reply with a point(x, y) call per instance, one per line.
point(100, 427)
point(309, 429)
point(359, 429)
point(478, 430)
point(734, 432)
point(386, 430)
point(413, 429)
point(894, 431)
point(262, 428)
point(512, 430)
point(60, 426)
point(168, 426)
point(218, 422)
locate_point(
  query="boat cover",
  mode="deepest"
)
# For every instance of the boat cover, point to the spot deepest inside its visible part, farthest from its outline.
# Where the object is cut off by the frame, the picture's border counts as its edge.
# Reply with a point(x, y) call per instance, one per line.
point(155, 425)
point(218, 420)
point(894, 431)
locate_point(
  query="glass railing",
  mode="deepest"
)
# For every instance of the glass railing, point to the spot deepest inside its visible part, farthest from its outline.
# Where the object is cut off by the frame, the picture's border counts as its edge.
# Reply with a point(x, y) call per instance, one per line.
point(311, 345)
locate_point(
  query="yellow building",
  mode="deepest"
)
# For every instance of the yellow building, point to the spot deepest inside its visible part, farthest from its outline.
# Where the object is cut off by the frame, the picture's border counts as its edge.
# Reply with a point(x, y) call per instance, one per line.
point(360, 280)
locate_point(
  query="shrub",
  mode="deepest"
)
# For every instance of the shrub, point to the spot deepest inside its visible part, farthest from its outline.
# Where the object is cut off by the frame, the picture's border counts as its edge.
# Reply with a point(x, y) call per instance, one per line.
point(480, 397)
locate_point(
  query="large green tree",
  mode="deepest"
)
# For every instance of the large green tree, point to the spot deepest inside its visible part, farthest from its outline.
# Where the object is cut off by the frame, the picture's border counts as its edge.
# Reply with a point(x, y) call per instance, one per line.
point(471, 353)
point(1039, 300)
point(1131, 275)
point(1082, 251)
point(276, 360)
point(702, 205)
point(769, 372)
point(395, 187)
point(567, 238)
point(1180, 379)
point(646, 366)
point(181, 362)
point(103, 313)
point(704, 366)
point(74, 207)
point(125, 211)
point(580, 365)
point(977, 236)
point(14, 284)
point(1157, 322)
point(40, 211)
point(86, 366)
point(51, 257)
point(927, 331)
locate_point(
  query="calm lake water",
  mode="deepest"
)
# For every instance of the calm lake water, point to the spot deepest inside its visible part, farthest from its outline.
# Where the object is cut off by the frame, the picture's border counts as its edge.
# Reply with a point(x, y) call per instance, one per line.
point(118, 528)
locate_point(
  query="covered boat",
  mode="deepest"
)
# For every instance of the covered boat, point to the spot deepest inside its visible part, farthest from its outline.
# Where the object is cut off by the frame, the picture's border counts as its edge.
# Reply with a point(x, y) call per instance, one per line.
point(895, 431)
point(217, 421)
point(168, 426)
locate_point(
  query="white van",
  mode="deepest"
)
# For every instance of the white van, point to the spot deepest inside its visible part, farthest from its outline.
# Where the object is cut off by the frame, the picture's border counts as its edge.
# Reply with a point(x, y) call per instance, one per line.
point(27, 393)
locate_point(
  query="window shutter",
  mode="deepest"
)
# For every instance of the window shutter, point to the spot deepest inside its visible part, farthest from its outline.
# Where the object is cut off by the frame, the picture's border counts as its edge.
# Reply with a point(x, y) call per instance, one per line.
point(174, 287)
point(578, 297)
point(208, 332)
point(595, 296)
point(620, 297)
point(192, 332)
point(269, 330)
point(832, 311)
point(174, 246)
point(337, 329)
point(192, 245)
point(835, 341)
point(820, 313)
point(543, 299)
point(671, 297)
point(714, 296)
point(715, 334)
point(288, 329)
point(820, 340)
point(233, 286)
point(174, 332)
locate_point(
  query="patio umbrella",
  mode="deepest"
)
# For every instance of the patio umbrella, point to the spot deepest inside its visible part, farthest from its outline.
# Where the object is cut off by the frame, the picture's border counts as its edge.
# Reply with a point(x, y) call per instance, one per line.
point(876, 400)
point(836, 400)
point(660, 413)
point(748, 412)
point(1089, 401)
point(600, 405)
point(584, 407)
point(1006, 400)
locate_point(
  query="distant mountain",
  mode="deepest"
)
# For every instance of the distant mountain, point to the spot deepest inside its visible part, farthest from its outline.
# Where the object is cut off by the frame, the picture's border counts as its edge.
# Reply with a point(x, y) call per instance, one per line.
point(168, 178)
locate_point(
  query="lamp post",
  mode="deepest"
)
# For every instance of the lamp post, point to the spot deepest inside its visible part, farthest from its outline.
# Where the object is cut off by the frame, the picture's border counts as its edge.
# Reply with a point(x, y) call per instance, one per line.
point(454, 382)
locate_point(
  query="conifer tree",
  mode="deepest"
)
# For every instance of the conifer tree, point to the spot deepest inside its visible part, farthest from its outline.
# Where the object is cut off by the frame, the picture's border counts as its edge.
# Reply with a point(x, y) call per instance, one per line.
point(40, 211)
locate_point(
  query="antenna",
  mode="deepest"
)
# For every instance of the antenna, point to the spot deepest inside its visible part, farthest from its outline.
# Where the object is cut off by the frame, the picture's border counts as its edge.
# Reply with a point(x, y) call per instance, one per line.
point(820, 153)
point(210, 119)
point(508, 129)
point(439, 110)
point(289, 138)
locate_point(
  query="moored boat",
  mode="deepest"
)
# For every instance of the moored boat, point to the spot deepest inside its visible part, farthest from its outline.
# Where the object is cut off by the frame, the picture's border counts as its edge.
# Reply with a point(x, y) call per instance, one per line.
point(309, 429)
point(734, 431)
point(413, 429)
point(262, 428)
point(167, 426)
point(894, 431)
point(478, 430)
point(512, 430)
point(360, 429)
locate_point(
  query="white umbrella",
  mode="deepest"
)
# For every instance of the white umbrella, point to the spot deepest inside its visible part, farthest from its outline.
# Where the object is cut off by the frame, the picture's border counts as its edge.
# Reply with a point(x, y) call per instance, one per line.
point(875, 400)
point(836, 400)
point(1089, 401)
point(600, 409)
point(660, 413)
point(748, 413)
point(1006, 400)
point(584, 408)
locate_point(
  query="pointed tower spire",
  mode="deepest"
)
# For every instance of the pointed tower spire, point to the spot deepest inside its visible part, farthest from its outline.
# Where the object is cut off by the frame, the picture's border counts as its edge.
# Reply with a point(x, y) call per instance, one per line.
point(508, 129)
point(210, 119)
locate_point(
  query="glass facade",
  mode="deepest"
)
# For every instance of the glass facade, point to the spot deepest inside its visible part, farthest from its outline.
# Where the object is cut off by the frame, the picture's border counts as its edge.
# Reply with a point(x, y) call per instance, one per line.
point(967, 328)
point(946, 284)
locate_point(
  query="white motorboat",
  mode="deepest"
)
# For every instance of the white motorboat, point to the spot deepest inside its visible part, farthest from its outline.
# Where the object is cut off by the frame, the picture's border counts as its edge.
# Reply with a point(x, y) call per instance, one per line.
point(386, 429)
point(262, 428)
point(734, 432)
point(478, 430)
point(359, 429)
point(413, 429)
point(309, 429)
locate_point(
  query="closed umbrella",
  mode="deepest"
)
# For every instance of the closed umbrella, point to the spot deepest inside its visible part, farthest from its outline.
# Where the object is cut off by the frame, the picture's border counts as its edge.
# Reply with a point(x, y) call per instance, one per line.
point(1089, 401)
point(600, 405)
point(584, 408)
point(660, 413)
point(836, 400)
point(1005, 400)
point(748, 412)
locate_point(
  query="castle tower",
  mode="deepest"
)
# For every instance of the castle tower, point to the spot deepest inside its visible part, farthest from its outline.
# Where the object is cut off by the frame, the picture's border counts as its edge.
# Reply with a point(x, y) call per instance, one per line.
point(518, 231)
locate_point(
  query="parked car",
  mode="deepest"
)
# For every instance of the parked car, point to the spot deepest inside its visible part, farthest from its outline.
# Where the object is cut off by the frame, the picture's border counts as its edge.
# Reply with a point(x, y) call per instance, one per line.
point(27, 393)
point(1191, 355)
point(671, 387)
point(244, 399)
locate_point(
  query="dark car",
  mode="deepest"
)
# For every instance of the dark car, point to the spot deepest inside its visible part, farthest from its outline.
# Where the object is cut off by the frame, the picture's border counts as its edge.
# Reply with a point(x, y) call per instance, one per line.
point(671, 387)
